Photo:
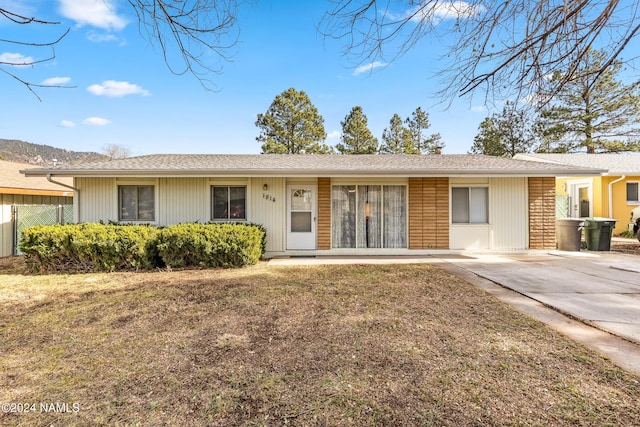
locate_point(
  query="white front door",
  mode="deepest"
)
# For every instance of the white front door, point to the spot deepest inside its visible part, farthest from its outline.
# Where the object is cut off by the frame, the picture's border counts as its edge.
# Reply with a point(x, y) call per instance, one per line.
point(581, 201)
point(301, 217)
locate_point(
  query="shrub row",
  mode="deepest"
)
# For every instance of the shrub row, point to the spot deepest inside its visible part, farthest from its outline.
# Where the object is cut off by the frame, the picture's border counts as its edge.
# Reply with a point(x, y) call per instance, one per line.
point(110, 247)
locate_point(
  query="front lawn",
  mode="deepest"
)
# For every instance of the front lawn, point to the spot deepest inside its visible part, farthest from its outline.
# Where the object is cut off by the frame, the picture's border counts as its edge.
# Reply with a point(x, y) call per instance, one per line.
point(325, 345)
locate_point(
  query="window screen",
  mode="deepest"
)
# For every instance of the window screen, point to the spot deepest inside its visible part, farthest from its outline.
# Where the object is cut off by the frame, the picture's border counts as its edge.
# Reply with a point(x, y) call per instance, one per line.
point(229, 202)
point(136, 203)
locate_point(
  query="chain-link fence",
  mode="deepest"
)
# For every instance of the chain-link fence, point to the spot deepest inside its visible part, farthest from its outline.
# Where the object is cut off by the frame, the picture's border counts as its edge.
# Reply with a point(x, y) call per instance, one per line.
point(25, 216)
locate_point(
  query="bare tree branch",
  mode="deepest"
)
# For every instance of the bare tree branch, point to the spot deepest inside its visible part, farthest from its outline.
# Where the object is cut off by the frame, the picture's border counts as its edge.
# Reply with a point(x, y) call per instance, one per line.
point(502, 49)
point(23, 20)
point(25, 62)
point(192, 35)
point(194, 31)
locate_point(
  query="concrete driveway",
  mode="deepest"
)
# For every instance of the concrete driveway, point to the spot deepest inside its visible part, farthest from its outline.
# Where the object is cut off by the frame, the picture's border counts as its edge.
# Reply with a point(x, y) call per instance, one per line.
point(598, 288)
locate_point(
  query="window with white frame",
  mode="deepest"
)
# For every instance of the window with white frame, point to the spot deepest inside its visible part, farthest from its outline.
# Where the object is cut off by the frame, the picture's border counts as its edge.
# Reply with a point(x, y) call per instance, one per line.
point(632, 193)
point(228, 202)
point(136, 203)
point(469, 205)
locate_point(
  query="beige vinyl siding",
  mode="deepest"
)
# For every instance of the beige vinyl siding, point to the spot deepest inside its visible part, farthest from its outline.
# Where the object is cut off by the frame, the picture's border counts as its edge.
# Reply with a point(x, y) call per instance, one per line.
point(507, 227)
point(268, 208)
point(6, 228)
point(189, 199)
point(183, 200)
point(97, 199)
point(508, 213)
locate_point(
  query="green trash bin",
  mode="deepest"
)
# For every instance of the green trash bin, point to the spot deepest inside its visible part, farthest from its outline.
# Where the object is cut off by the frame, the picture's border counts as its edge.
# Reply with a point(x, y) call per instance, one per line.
point(598, 232)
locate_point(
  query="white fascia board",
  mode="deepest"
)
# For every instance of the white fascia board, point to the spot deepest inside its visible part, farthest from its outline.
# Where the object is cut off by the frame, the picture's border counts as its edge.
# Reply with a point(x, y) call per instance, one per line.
point(160, 173)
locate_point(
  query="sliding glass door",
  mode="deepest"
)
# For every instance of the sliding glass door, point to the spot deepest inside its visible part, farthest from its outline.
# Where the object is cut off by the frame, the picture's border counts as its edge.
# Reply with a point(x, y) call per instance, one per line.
point(369, 216)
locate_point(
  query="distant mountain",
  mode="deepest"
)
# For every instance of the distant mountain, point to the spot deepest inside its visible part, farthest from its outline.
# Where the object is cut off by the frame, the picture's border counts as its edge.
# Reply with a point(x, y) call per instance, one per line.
point(43, 155)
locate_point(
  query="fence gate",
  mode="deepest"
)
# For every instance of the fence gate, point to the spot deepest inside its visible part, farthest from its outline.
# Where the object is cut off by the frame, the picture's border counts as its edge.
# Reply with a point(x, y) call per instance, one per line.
point(562, 206)
point(25, 216)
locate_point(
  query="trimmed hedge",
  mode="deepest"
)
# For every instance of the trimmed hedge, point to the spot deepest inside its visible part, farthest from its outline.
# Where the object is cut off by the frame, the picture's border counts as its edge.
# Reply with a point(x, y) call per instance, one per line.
point(210, 245)
point(110, 247)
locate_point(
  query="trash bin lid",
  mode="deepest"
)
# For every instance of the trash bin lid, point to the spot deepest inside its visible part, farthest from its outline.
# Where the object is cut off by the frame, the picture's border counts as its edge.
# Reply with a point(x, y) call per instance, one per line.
point(569, 222)
point(600, 219)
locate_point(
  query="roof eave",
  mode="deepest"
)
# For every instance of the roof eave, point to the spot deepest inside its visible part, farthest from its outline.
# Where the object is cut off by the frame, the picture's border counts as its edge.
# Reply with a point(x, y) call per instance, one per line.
point(248, 173)
point(621, 173)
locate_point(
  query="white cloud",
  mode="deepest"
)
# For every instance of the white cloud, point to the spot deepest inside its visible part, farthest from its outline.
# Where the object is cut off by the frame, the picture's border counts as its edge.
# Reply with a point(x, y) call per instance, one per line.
point(445, 10)
point(67, 124)
point(97, 13)
point(368, 67)
point(96, 121)
point(478, 109)
point(115, 89)
point(56, 81)
point(96, 37)
point(334, 135)
point(15, 59)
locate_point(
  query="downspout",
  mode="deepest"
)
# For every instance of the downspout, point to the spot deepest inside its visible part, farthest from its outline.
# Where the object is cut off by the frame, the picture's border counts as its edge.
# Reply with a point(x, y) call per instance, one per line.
point(76, 200)
point(611, 194)
point(60, 183)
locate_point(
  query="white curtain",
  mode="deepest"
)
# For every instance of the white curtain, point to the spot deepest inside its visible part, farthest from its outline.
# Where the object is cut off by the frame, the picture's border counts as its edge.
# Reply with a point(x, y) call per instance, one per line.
point(369, 216)
point(343, 214)
point(395, 216)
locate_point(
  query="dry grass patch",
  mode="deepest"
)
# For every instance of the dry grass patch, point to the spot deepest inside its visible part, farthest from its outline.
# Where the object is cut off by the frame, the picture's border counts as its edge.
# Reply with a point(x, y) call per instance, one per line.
point(628, 246)
point(324, 345)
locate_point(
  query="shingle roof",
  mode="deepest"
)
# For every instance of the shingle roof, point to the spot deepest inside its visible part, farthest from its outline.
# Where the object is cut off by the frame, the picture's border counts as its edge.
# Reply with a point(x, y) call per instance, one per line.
point(12, 179)
point(616, 164)
point(248, 165)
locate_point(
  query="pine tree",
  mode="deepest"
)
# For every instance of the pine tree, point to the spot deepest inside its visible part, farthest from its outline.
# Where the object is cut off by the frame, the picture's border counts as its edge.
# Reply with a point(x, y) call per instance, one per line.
point(292, 125)
point(593, 112)
point(505, 134)
point(397, 138)
point(417, 124)
point(356, 136)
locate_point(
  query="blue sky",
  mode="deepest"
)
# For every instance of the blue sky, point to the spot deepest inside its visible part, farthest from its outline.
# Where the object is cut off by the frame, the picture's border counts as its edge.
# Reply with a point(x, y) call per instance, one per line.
point(124, 93)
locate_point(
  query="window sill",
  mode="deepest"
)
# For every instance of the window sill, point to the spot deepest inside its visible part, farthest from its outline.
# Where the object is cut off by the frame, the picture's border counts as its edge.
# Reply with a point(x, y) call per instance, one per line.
point(136, 222)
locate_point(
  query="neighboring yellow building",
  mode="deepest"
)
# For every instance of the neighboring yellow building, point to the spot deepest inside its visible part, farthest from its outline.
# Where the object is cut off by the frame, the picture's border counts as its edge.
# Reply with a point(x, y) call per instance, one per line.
point(612, 195)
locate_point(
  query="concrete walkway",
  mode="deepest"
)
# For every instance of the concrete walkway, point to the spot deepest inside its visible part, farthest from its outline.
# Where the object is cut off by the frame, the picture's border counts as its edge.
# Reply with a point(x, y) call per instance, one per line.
point(591, 297)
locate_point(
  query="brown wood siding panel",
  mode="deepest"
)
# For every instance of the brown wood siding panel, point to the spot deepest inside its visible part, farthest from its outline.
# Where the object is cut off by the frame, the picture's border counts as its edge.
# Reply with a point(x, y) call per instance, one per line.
point(542, 199)
point(535, 213)
point(549, 213)
point(428, 213)
point(7, 190)
point(429, 207)
point(415, 213)
point(324, 213)
point(442, 213)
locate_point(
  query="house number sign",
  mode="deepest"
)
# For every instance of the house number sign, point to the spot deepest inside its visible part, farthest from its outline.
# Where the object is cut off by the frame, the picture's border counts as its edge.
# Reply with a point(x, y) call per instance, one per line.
point(268, 197)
